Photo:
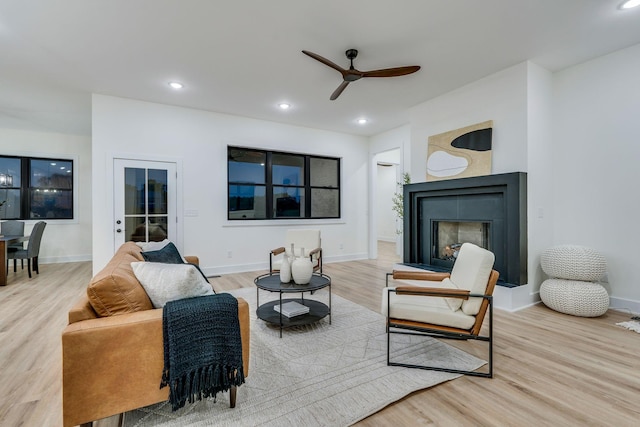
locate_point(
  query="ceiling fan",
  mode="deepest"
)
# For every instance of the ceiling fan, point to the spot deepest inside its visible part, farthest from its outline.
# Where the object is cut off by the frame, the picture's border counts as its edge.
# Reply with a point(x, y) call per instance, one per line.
point(351, 74)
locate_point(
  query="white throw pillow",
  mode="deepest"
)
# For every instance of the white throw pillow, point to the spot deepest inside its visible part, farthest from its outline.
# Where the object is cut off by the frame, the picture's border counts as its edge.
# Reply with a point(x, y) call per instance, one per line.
point(168, 282)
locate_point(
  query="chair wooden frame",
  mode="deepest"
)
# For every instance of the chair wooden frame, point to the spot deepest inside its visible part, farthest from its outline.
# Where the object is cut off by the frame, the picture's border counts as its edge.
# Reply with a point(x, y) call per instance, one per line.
point(409, 327)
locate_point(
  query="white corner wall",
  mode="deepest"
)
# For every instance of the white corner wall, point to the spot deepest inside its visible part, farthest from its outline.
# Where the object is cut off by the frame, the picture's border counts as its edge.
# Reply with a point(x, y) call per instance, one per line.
point(63, 240)
point(199, 139)
point(596, 165)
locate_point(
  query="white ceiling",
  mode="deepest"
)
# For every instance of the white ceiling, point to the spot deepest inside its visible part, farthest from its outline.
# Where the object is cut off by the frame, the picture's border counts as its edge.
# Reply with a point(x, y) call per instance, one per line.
point(243, 57)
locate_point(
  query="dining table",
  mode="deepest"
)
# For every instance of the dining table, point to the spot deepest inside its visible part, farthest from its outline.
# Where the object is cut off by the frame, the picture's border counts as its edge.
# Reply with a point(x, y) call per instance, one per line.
point(5, 241)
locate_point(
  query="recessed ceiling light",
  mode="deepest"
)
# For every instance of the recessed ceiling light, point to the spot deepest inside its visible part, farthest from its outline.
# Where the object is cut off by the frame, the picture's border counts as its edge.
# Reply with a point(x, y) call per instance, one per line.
point(284, 106)
point(176, 85)
point(629, 4)
point(362, 121)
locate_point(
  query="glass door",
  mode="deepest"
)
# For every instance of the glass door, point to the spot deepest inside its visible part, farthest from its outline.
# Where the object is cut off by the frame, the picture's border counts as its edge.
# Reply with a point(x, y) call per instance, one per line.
point(145, 201)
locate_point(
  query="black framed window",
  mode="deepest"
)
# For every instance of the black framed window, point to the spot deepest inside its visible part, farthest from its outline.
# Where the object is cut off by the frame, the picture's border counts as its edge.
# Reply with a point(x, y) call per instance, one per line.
point(35, 188)
point(277, 185)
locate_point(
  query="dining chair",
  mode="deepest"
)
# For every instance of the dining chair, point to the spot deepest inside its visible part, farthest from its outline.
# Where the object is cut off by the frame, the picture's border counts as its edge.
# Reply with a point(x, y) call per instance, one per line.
point(33, 249)
point(13, 228)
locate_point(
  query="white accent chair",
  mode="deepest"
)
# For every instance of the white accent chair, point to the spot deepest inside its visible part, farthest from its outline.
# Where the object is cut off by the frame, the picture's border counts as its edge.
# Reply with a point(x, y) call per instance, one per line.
point(443, 305)
point(306, 239)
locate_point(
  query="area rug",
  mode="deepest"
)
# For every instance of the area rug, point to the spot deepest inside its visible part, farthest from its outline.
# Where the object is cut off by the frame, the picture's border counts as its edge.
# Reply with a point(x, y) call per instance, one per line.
point(632, 325)
point(316, 375)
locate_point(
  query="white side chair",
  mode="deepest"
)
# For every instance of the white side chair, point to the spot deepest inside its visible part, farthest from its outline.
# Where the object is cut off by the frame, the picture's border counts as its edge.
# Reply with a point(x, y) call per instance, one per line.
point(307, 239)
point(443, 305)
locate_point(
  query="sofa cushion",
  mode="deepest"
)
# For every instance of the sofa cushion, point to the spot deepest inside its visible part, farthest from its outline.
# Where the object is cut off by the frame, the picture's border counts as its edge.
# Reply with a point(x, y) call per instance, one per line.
point(168, 254)
point(115, 289)
point(168, 282)
point(471, 271)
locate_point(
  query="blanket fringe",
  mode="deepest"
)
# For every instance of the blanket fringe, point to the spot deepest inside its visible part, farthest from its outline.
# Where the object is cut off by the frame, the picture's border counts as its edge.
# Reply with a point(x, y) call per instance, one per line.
point(201, 383)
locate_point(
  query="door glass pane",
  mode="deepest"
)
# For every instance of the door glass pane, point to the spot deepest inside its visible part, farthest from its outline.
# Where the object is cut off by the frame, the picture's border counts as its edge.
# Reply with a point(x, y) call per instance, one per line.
point(247, 201)
point(325, 203)
point(246, 166)
point(287, 169)
point(288, 202)
point(324, 172)
point(157, 191)
point(135, 229)
point(134, 187)
point(157, 228)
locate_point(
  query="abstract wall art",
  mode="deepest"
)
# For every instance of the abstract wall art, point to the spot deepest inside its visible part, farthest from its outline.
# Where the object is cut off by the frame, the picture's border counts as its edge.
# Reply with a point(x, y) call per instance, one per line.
point(460, 153)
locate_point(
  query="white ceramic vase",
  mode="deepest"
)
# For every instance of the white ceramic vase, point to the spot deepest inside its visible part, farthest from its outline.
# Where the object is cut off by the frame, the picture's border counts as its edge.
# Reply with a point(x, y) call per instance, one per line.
point(285, 270)
point(301, 269)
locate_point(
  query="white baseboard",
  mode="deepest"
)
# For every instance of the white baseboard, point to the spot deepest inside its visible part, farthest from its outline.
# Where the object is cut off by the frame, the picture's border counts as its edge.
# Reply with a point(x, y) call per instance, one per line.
point(514, 299)
point(63, 259)
point(625, 305)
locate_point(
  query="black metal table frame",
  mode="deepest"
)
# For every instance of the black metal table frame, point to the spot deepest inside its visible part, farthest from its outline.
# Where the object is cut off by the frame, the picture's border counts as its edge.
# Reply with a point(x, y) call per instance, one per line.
point(316, 311)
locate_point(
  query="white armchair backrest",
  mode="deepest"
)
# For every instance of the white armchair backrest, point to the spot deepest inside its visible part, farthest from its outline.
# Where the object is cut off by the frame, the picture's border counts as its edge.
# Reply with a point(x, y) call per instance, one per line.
point(471, 272)
point(307, 239)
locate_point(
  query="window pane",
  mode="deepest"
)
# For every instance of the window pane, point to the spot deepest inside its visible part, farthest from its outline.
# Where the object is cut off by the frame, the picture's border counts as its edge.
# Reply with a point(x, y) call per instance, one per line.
point(288, 202)
point(134, 184)
point(246, 166)
point(157, 228)
point(325, 203)
point(11, 207)
point(51, 174)
point(287, 169)
point(247, 202)
point(158, 192)
point(135, 229)
point(324, 172)
point(46, 203)
point(9, 172)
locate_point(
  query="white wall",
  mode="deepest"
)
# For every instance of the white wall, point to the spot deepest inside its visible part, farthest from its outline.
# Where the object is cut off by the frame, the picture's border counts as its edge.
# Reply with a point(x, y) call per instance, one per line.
point(63, 240)
point(596, 164)
point(540, 176)
point(199, 139)
point(386, 217)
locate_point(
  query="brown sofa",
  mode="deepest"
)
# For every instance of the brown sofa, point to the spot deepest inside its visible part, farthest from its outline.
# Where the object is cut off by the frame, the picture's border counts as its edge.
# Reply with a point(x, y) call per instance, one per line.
point(112, 349)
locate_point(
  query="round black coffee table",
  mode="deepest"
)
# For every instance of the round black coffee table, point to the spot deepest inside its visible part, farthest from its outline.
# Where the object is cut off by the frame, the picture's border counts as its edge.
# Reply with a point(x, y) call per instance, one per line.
point(317, 310)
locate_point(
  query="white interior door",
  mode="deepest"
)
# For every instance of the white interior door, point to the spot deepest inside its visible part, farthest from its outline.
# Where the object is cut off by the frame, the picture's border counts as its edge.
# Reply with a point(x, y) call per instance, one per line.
point(145, 203)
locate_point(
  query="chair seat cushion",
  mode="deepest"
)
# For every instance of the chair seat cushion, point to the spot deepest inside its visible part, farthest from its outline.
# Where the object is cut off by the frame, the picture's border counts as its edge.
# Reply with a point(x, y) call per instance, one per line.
point(432, 310)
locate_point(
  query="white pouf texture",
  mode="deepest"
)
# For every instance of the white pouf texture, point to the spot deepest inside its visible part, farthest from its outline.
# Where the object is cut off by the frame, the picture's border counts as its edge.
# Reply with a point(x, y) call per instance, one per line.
point(573, 262)
point(584, 299)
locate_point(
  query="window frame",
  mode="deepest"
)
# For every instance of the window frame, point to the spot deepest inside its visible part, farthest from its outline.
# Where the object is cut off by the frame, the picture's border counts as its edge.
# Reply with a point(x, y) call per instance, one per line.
point(26, 188)
point(269, 186)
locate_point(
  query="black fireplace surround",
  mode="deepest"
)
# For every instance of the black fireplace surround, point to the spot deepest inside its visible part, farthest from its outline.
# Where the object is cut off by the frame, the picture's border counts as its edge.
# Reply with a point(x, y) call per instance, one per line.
point(497, 200)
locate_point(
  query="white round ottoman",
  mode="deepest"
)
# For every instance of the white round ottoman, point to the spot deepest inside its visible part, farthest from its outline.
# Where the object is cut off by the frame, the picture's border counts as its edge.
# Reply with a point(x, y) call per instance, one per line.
point(585, 299)
point(572, 289)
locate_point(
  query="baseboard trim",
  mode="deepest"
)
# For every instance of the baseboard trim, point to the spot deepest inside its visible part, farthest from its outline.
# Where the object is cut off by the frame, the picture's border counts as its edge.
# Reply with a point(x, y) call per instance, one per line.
point(625, 305)
point(63, 259)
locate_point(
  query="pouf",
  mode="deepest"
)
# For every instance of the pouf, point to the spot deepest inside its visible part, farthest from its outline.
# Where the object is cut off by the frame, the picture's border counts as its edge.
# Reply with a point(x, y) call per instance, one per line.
point(573, 262)
point(585, 299)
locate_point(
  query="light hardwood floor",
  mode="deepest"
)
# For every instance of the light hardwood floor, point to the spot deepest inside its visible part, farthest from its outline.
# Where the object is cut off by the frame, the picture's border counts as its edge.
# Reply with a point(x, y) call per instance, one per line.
point(550, 369)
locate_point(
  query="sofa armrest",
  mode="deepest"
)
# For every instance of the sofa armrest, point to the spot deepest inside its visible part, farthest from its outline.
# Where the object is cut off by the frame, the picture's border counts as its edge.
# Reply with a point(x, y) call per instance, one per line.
point(114, 364)
point(192, 259)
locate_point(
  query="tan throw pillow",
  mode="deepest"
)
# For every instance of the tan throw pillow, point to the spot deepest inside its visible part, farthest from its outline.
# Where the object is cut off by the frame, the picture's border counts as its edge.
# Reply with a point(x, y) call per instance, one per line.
point(168, 282)
point(115, 289)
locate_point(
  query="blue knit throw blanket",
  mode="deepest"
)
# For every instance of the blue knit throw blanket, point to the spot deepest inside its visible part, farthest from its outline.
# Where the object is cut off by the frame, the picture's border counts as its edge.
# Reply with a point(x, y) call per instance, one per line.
point(202, 348)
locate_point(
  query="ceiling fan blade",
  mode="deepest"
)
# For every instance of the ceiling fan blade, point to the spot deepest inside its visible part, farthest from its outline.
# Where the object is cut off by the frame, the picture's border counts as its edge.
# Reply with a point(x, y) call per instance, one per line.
point(336, 93)
point(391, 72)
point(325, 61)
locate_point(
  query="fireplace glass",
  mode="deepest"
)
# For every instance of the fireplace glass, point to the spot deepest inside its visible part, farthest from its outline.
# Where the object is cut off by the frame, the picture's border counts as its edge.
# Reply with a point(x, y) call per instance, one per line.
point(449, 237)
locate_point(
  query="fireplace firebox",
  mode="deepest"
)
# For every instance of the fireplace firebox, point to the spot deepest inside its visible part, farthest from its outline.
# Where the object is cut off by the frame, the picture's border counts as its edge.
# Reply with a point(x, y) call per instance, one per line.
point(489, 211)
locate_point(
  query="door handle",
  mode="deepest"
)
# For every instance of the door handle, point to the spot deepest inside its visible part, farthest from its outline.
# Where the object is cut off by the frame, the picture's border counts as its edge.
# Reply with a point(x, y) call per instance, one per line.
point(119, 230)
